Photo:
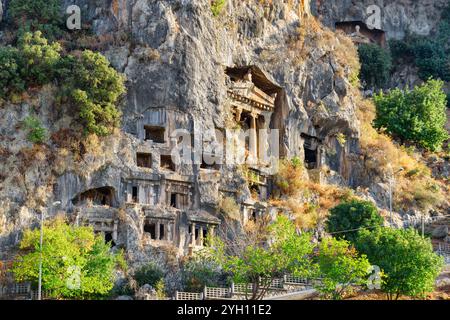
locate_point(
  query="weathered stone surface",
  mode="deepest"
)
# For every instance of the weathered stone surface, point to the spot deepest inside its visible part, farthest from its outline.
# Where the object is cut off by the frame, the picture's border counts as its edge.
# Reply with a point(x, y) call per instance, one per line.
point(398, 17)
point(440, 232)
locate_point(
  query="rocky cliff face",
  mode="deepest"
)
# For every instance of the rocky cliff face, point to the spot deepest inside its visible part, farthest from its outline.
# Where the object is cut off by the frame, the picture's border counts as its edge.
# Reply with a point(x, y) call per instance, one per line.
point(398, 17)
point(175, 54)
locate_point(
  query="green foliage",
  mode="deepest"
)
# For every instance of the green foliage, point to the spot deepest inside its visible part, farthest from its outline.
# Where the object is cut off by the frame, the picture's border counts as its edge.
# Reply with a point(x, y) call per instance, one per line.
point(217, 7)
point(340, 268)
point(148, 274)
point(33, 62)
point(201, 270)
point(407, 260)
point(287, 252)
point(40, 58)
point(376, 65)
point(36, 132)
point(430, 54)
point(92, 84)
point(96, 88)
point(10, 79)
point(418, 115)
point(351, 216)
point(76, 262)
point(33, 15)
point(160, 289)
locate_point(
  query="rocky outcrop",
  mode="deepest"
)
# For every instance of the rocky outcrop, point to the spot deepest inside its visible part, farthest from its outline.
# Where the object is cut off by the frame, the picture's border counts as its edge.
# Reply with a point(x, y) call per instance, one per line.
point(398, 18)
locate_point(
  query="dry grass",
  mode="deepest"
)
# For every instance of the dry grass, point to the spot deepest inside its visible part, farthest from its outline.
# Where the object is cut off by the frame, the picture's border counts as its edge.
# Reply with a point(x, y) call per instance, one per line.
point(229, 207)
point(415, 188)
point(308, 201)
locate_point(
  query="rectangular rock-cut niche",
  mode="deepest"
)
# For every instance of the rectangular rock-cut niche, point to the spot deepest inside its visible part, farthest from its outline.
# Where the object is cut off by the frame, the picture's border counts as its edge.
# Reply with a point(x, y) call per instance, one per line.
point(144, 160)
point(155, 134)
point(198, 233)
point(158, 229)
point(167, 163)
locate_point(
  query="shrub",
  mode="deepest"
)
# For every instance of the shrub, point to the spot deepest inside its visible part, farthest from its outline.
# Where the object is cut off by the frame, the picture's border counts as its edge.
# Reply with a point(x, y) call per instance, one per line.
point(76, 262)
point(36, 132)
point(148, 274)
point(431, 54)
point(96, 88)
point(217, 6)
point(40, 58)
point(407, 260)
point(376, 64)
point(10, 79)
point(43, 15)
point(290, 176)
point(200, 271)
point(431, 59)
point(340, 267)
point(351, 216)
point(418, 115)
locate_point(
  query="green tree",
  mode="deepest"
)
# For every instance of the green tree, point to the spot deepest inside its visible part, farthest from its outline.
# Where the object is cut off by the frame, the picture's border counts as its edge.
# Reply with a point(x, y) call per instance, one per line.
point(340, 268)
point(39, 57)
point(148, 274)
point(352, 215)
point(97, 88)
point(36, 132)
point(407, 260)
point(10, 79)
point(256, 262)
point(417, 115)
point(76, 262)
point(200, 271)
point(376, 65)
point(33, 15)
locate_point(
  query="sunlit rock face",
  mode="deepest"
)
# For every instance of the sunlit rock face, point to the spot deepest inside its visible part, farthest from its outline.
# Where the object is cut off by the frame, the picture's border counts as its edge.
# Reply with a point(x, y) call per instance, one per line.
point(398, 17)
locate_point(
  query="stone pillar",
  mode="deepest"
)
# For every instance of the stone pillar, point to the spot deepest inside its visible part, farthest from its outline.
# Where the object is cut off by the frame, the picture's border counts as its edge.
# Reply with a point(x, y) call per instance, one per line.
point(157, 229)
point(193, 234)
point(253, 147)
point(200, 236)
point(238, 114)
point(115, 227)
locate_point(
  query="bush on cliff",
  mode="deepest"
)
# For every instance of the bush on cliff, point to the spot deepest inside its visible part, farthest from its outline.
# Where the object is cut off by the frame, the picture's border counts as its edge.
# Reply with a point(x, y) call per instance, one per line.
point(376, 65)
point(43, 15)
point(417, 115)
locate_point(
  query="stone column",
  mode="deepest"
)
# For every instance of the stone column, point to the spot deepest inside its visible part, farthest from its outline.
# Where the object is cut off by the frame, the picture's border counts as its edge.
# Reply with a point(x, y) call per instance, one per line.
point(157, 230)
point(238, 114)
point(115, 230)
point(200, 236)
point(193, 234)
point(253, 148)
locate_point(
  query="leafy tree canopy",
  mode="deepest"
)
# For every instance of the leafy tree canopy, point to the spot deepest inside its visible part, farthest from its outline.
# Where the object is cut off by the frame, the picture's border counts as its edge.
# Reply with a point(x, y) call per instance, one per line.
point(407, 260)
point(340, 267)
point(76, 263)
point(417, 115)
point(376, 65)
point(353, 215)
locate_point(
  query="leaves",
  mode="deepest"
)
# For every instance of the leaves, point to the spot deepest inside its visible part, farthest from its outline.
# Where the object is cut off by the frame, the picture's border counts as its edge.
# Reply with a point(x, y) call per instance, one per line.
point(340, 267)
point(407, 260)
point(351, 216)
point(418, 115)
point(376, 65)
point(76, 262)
point(96, 87)
point(36, 132)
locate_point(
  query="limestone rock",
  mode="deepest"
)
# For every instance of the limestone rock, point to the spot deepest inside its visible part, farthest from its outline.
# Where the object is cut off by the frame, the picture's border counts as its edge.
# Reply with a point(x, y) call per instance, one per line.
point(440, 232)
